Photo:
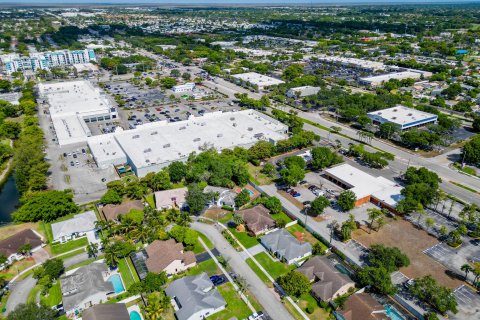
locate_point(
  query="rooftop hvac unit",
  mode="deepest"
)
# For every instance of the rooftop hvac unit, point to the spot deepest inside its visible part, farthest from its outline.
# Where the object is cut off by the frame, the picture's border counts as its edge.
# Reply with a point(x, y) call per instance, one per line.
point(250, 129)
point(136, 136)
point(219, 135)
point(147, 150)
point(196, 139)
point(234, 124)
point(393, 118)
point(394, 110)
point(166, 145)
point(154, 133)
point(182, 128)
point(147, 161)
point(410, 114)
point(232, 118)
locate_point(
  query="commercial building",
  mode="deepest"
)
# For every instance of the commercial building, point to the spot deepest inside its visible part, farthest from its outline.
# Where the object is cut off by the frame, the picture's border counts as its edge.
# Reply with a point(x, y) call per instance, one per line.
point(257, 79)
point(187, 87)
point(152, 146)
point(367, 188)
point(354, 63)
point(45, 61)
point(375, 81)
point(74, 104)
point(302, 91)
point(403, 117)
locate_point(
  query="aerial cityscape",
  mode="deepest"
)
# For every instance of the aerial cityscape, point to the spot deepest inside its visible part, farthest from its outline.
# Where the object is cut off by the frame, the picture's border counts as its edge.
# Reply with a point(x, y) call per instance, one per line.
point(248, 160)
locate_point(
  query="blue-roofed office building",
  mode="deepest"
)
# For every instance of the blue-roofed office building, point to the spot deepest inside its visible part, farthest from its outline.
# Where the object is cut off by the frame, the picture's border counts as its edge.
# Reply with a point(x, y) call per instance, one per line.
point(405, 118)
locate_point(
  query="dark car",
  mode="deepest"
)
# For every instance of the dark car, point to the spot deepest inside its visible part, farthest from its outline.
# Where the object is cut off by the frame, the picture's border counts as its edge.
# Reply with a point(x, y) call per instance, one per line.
point(72, 163)
point(74, 155)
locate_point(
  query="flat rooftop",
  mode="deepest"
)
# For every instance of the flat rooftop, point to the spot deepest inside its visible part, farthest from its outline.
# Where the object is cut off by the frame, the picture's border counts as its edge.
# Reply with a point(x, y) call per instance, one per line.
point(374, 65)
point(402, 115)
point(74, 98)
point(258, 79)
point(159, 142)
point(396, 75)
point(364, 185)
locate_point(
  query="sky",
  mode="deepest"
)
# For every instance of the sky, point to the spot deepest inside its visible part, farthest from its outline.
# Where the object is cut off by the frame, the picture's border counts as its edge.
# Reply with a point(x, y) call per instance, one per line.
point(226, 2)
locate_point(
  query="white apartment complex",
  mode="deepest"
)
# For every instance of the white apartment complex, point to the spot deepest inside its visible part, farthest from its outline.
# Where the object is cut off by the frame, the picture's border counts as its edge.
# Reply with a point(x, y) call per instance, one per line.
point(35, 61)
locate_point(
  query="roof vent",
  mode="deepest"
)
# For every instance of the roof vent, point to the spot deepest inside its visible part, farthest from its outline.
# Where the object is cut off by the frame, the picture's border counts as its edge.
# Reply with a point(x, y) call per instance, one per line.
point(147, 150)
point(219, 135)
point(395, 110)
point(136, 136)
point(147, 161)
point(166, 145)
point(410, 114)
point(196, 139)
point(182, 128)
point(234, 124)
point(154, 133)
point(232, 118)
point(250, 129)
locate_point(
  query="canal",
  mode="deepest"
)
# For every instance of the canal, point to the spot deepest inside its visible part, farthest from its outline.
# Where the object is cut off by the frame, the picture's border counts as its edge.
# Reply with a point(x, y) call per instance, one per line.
point(9, 200)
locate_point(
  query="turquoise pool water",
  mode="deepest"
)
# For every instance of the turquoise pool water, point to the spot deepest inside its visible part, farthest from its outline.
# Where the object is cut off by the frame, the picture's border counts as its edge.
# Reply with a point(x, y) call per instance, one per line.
point(134, 315)
point(393, 313)
point(116, 280)
point(249, 191)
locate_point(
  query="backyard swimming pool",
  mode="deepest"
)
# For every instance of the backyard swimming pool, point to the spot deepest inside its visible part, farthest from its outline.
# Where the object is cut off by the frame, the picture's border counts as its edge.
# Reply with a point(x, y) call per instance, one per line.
point(250, 192)
point(134, 315)
point(393, 313)
point(116, 280)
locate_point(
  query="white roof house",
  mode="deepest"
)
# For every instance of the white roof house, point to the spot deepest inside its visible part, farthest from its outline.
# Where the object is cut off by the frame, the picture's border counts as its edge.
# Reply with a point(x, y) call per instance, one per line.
point(401, 75)
point(366, 187)
point(68, 229)
point(72, 105)
point(152, 146)
point(403, 117)
point(167, 199)
point(258, 79)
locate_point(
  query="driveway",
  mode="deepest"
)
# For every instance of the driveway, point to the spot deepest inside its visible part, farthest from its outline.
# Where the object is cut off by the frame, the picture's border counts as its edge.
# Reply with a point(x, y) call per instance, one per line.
point(40, 255)
point(19, 292)
point(253, 251)
point(264, 295)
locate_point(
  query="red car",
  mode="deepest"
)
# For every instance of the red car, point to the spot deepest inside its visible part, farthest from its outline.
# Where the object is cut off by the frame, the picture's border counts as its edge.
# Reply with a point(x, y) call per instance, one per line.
point(158, 109)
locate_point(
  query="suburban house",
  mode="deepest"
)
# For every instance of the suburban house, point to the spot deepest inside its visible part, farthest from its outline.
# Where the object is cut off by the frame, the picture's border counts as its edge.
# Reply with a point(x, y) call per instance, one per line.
point(84, 287)
point(285, 247)
point(174, 198)
point(80, 225)
point(159, 256)
point(112, 311)
point(9, 247)
point(195, 297)
point(257, 219)
point(361, 306)
point(113, 211)
point(328, 282)
point(226, 197)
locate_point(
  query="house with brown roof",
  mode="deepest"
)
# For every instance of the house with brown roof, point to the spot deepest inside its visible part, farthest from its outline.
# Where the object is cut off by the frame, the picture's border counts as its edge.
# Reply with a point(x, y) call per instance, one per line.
point(113, 211)
point(174, 198)
point(257, 219)
point(168, 256)
point(328, 282)
point(107, 311)
point(9, 247)
point(361, 306)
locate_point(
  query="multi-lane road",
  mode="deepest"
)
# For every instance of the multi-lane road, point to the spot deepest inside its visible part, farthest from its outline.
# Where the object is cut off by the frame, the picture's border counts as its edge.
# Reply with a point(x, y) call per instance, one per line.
point(403, 158)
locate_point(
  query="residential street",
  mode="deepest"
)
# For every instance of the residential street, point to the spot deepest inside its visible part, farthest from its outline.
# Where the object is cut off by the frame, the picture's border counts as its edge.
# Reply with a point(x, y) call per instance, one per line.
point(19, 292)
point(264, 295)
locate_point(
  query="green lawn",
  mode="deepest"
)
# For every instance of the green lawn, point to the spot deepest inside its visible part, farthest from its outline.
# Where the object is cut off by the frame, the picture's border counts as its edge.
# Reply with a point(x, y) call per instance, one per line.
point(150, 200)
point(71, 254)
point(128, 278)
point(32, 296)
point(274, 268)
point(69, 246)
point(199, 247)
point(54, 295)
point(244, 238)
point(235, 308)
point(281, 216)
point(208, 266)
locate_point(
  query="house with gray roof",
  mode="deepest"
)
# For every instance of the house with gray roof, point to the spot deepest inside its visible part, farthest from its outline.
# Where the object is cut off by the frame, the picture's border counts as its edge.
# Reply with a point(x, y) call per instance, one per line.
point(111, 311)
point(195, 297)
point(84, 287)
point(226, 197)
point(328, 282)
point(80, 225)
point(285, 247)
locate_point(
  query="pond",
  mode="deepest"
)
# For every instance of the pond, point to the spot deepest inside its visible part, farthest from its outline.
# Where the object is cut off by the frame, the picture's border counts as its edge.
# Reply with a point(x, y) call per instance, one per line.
point(9, 200)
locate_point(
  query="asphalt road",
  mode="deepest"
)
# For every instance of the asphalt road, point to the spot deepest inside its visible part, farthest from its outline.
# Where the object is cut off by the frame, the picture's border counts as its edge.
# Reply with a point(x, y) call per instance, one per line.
point(264, 295)
point(19, 292)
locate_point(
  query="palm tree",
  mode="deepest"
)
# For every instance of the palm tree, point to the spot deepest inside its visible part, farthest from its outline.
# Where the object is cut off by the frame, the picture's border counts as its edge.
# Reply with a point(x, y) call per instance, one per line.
point(374, 214)
point(466, 268)
point(111, 257)
point(237, 219)
point(429, 222)
point(141, 233)
point(92, 249)
point(441, 196)
point(153, 310)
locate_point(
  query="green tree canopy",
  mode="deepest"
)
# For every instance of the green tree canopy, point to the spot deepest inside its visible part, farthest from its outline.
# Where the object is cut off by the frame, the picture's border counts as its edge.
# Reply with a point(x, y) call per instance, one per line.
point(346, 200)
point(46, 206)
point(295, 283)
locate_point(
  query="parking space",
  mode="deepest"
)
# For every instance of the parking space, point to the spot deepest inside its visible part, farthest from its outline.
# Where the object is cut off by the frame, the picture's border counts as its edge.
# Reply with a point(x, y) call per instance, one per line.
point(136, 96)
point(356, 247)
point(398, 278)
point(440, 252)
point(468, 303)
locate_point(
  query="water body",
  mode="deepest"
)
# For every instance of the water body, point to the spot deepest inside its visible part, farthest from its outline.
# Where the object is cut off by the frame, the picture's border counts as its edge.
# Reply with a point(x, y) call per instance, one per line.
point(9, 200)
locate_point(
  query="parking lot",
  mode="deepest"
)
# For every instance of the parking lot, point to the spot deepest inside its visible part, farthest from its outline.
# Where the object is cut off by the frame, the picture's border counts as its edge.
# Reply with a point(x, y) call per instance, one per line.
point(440, 252)
point(359, 249)
point(468, 303)
point(134, 96)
